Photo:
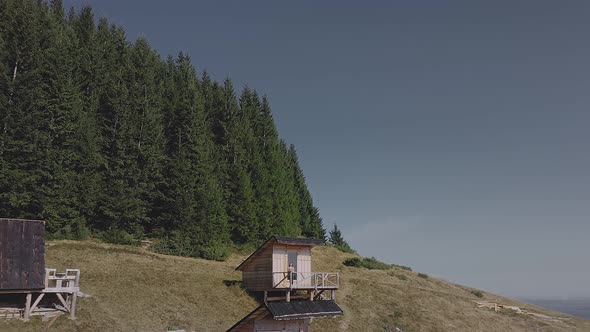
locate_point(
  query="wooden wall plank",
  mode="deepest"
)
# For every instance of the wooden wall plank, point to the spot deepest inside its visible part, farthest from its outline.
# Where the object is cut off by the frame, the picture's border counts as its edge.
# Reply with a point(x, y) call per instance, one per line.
point(3, 253)
point(22, 254)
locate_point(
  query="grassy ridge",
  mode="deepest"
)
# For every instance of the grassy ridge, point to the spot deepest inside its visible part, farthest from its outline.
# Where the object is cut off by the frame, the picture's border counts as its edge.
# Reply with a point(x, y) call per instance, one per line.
point(135, 290)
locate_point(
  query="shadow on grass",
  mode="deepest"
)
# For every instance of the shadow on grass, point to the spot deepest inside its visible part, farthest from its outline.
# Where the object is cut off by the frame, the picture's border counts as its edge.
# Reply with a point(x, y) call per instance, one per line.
point(230, 283)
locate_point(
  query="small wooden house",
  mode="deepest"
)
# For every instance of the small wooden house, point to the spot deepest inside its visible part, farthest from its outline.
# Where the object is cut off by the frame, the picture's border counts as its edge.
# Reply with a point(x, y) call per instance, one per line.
point(282, 267)
point(267, 269)
point(23, 274)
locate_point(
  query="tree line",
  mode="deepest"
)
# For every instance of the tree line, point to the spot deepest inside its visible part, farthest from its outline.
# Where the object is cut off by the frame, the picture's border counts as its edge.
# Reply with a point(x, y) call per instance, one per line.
point(100, 135)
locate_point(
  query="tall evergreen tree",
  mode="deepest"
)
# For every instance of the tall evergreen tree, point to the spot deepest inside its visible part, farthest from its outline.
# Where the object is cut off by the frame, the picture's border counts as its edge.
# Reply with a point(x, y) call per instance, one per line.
point(148, 143)
point(311, 222)
point(338, 241)
point(239, 140)
point(60, 202)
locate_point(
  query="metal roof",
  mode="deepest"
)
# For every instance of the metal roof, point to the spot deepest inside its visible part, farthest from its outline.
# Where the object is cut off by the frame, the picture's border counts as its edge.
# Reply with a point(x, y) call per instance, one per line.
point(259, 312)
point(282, 310)
point(22, 220)
point(301, 241)
point(296, 241)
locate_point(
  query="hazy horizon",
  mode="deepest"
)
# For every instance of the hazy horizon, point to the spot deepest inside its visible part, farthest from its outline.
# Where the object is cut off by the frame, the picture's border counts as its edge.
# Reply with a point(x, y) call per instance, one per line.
point(451, 137)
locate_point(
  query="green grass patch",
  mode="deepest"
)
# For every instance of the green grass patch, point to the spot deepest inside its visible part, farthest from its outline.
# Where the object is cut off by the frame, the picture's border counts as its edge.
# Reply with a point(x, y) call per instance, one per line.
point(477, 293)
point(370, 263)
point(119, 236)
point(402, 267)
point(345, 248)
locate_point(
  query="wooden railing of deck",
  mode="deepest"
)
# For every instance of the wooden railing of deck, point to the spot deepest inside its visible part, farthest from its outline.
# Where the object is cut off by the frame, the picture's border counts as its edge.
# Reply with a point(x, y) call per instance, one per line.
point(306, 280)
point(68, 282)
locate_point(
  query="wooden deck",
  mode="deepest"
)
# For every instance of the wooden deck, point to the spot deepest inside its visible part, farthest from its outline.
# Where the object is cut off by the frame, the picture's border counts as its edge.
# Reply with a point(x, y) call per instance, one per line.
point(65, 286)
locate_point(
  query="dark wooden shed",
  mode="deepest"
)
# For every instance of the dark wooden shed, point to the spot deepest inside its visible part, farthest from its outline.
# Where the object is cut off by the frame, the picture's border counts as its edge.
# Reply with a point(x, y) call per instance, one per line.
point(22, 254)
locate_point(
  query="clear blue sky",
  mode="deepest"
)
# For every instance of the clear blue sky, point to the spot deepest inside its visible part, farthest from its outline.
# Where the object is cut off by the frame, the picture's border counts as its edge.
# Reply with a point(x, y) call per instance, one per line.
point(449, 136)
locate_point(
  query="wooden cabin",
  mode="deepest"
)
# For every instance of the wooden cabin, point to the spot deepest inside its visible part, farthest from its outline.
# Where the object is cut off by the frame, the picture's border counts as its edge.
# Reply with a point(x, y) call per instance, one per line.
point(297, 295)
point(23, 273)
point(267, 269)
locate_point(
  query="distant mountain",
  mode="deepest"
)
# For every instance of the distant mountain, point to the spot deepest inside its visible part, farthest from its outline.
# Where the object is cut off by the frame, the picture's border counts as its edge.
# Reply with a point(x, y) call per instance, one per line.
point(579, 307)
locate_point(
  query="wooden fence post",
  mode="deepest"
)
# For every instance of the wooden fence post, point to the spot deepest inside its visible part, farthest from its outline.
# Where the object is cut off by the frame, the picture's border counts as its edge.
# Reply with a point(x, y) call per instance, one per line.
point(28, 307)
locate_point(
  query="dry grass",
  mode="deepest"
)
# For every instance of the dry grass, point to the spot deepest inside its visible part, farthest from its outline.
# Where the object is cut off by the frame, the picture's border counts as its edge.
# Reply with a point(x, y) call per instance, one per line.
point(135, 290)
point(376, 300)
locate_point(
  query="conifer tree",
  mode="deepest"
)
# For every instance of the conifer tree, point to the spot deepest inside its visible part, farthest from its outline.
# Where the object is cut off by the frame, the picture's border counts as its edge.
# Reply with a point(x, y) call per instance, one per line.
point(311, 222)
point(286, 201)
point(60, 203)
point(148, 142)
point(338, 241)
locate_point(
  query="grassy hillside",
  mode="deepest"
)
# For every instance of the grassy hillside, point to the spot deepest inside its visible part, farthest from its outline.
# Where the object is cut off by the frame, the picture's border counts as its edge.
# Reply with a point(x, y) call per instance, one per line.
point(136, 290)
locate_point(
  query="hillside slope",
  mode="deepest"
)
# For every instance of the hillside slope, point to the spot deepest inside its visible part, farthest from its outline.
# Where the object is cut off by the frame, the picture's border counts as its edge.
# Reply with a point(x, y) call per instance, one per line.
point(136, 290)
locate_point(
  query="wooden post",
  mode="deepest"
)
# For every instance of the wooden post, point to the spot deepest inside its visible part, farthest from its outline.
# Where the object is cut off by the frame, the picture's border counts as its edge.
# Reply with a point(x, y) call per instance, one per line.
point(333, 295)
point(28, 307)
point(73, 305)
point(311, 295)
point(288, 296)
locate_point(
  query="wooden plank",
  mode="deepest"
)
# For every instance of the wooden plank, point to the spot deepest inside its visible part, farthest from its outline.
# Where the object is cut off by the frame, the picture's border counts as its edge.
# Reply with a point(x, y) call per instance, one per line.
point(73, 305)
point(3, 254)
point(34, 306)
point(14, 268)
point(257, 275)
point(51, 322)
point(61, 299)
point(292, 297)
point(38, 279)
point(26, 249)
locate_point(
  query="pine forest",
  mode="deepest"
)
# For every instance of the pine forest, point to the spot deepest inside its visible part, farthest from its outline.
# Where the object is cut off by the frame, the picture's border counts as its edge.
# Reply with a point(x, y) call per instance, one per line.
point(103, 137)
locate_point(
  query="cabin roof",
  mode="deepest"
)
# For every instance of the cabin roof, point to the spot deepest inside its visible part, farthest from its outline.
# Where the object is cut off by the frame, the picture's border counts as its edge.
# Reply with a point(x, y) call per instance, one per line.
point(299, 241)
point(296, 241)
point(282, 310)
point(27, 220)
point(259, 312)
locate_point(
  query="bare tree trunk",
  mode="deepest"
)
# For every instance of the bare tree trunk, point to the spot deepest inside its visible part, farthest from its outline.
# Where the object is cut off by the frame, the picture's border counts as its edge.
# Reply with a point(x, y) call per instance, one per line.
point(14, 72)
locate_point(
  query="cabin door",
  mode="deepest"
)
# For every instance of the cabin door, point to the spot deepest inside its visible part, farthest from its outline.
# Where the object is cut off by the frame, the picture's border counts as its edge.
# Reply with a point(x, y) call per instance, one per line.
point(292, 259)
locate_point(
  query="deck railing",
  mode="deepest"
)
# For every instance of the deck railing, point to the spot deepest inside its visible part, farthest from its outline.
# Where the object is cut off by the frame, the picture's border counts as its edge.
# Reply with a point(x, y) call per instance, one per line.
point(67, 282)
point(306, 280)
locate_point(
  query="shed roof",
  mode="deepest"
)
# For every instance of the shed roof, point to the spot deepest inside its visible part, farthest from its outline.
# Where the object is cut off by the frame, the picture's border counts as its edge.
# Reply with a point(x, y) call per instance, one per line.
point(22, 220)
point(296, 241)
point(300, 241)
point(282, 310)
point(257, 313)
